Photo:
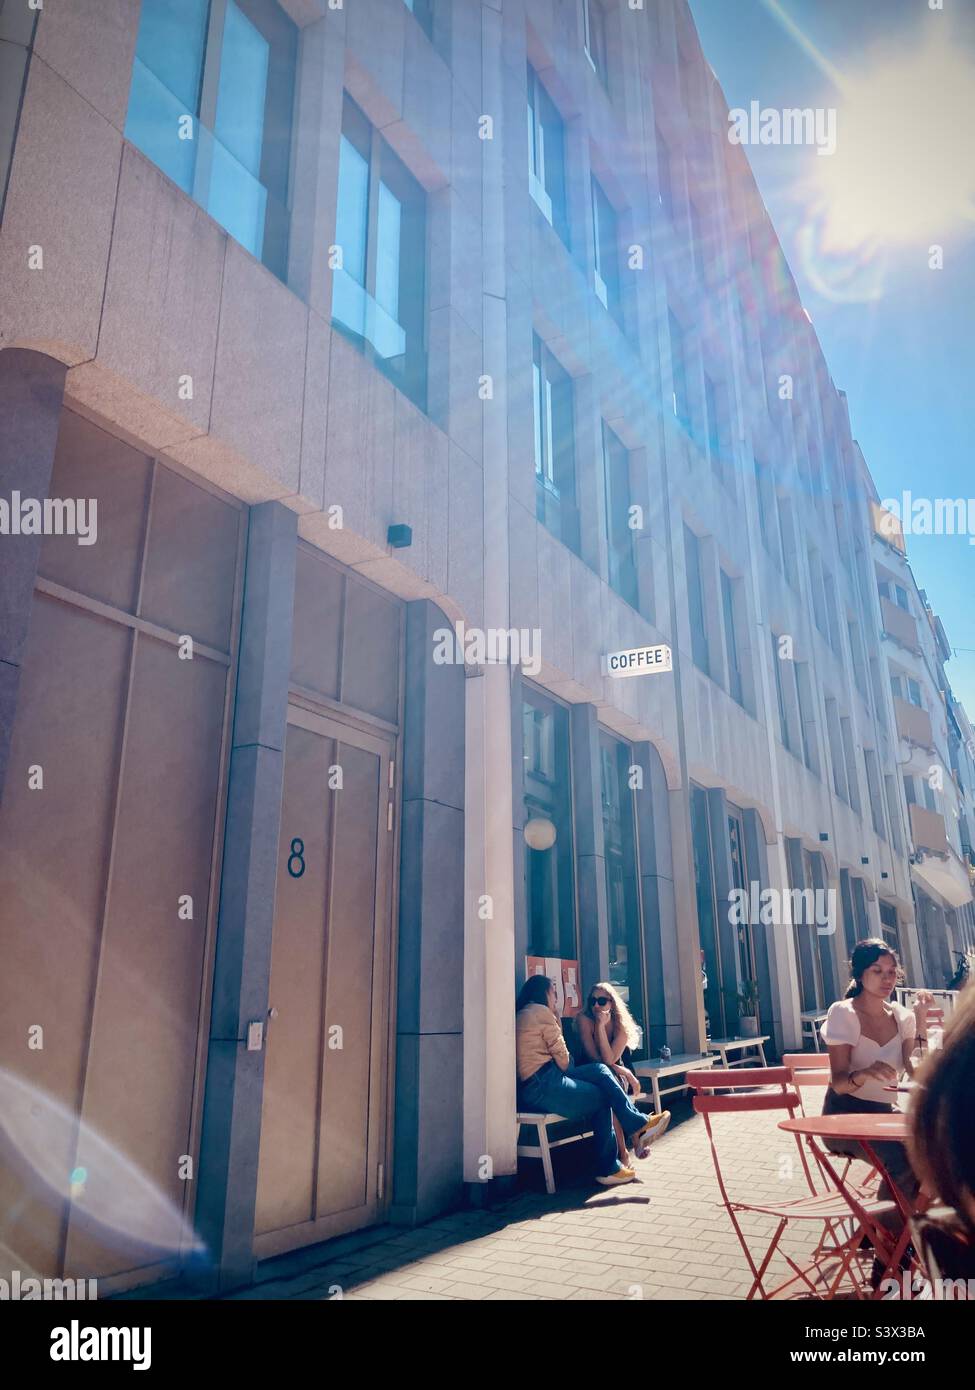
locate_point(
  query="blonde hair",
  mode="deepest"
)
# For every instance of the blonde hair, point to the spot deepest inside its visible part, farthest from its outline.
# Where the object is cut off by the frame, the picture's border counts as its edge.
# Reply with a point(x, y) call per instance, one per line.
point(622, 1017)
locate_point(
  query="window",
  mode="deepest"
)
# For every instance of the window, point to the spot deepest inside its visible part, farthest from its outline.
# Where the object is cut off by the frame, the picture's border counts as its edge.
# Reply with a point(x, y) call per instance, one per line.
point(211, 104)
point(546, 155)
point(818, 593)
point(873, 788)
point(836, 754)
point(927, 791)
point(665, 186)
point(764, 504)
point(730, 638)
point(678, 367)
point(619, 534)
point(804, 706)
point(622, 898)
point(606, 241)
point(378, 297)
point(695, 601)
point(895, 593)
point(853, 780)
point(555, 495)
point(892, 811)
point(422, 11)
point(910, 794)
point(594, 26)
point(856, 651)
point(787, 540)
point(549, 876)
point(714, 410)
point(780, 694)
point(888, 925)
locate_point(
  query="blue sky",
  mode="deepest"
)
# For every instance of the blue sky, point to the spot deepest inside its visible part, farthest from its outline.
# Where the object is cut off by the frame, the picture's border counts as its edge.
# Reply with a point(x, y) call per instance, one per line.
point(899, 337)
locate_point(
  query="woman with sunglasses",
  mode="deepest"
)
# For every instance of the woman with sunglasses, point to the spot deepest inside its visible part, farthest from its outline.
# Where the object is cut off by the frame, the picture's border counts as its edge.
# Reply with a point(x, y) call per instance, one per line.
point(607, 1032)
point(549, 1084)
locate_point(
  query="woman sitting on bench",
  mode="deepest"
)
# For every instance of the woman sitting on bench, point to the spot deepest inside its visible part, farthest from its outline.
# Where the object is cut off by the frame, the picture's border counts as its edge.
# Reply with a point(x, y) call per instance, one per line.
point(549, 1084)
point(607, 1031)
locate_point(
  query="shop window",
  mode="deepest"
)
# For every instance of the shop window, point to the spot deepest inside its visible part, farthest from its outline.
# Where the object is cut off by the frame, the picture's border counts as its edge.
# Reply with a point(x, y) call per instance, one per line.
point(622, 898)
point(740, 880)
point(213, 85)
point(555, 484)
point(546, 155)
point(549, 872)
point(378, 289)
point(620, 537)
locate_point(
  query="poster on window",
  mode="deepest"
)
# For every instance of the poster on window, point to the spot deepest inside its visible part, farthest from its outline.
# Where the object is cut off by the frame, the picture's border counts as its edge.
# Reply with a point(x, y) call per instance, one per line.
point(565, 976)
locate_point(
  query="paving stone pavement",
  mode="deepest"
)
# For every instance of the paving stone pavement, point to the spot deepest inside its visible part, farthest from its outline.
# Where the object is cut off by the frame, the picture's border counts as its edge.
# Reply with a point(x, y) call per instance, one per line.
point(663, 1237)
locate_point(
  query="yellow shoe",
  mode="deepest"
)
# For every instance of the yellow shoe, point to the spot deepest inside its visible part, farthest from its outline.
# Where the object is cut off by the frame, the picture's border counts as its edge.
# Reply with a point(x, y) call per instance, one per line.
point(653, 1129)
point(620, 1176)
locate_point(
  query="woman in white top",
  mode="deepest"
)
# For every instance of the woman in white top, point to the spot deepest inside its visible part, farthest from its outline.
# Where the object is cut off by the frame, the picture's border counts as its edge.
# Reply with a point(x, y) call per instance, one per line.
point(870, 1040)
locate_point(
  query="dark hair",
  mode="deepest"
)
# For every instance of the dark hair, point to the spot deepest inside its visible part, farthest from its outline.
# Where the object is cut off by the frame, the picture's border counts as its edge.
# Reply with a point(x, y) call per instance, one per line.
point(533, 991)
point(942, 1142)
point(866, 953)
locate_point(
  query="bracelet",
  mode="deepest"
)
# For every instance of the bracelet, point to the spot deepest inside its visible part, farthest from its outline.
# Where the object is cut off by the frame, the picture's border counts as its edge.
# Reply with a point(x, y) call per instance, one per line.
point(855, 1084)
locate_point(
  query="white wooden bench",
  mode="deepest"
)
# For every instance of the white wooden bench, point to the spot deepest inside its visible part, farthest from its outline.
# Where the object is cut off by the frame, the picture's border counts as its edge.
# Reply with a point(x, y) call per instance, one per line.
point(543, 1149)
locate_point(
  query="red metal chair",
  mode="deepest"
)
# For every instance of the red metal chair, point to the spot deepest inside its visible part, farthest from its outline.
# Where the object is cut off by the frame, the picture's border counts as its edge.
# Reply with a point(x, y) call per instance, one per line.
point(830, 1208)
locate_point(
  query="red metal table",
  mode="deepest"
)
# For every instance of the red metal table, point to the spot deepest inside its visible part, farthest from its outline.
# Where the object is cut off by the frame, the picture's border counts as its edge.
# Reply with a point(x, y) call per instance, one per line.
point(867, 1129)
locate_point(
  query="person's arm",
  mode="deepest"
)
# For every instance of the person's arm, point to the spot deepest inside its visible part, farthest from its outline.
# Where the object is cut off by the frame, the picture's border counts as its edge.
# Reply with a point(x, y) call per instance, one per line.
point(601, 1027)
point(847, 1082)
point(907, 1055)
point(586, 1039)
point(555, 1042)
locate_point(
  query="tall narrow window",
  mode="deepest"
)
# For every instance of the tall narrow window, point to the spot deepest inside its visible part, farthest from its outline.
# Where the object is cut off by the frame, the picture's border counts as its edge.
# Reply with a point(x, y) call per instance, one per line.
point(804, 705)
point(606, 241)
point(211, 104)
point(594, 34)
point(622, 896)
point(665, 186)
point(378, 295)
point(731, 638)
point(555, 491)
point(852, 776)
point(836, 755)
point(695, 601)
point(546, 155)
point(678, 367)
point(549, 874)
point(777, 664)
point(619, 532)
point(711, 406)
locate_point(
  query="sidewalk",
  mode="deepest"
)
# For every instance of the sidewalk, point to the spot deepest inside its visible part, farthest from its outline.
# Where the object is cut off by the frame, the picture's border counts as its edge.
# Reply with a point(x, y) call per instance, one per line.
point(664, 1237)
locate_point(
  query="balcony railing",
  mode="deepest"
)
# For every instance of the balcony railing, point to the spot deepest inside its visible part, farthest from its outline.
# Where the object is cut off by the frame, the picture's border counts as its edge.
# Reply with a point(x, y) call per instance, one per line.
point(899, 625)
point(928, 830)
point(913, 724)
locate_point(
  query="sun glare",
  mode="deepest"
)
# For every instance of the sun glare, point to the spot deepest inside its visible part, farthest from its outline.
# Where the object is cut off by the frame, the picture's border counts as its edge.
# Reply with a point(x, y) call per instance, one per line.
point(903, 171)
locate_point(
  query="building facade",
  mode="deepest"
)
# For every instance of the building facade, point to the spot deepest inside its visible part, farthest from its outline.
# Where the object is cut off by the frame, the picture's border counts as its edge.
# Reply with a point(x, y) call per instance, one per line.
point(395, 426)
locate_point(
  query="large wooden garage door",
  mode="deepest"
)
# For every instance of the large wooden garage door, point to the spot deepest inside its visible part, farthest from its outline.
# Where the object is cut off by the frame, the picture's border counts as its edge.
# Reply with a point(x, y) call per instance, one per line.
point(108, 831)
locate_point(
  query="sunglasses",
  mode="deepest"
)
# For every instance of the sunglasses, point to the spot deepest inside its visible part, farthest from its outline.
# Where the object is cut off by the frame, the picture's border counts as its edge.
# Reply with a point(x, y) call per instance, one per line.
point(601, 1000)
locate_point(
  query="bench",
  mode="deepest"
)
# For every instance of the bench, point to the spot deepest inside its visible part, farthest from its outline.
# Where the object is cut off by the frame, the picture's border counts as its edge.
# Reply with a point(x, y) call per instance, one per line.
point(543, 1148)
point(811, 1021)
point(653, 1071)
point(722, 1046)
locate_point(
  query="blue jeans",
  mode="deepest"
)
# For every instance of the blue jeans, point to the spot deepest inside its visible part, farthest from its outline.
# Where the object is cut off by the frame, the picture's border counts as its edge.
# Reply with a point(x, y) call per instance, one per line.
point(590, 1091)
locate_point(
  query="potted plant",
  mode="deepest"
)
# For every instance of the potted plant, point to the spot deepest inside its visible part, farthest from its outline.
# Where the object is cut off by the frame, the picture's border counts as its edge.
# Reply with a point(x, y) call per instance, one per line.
point(747, 996)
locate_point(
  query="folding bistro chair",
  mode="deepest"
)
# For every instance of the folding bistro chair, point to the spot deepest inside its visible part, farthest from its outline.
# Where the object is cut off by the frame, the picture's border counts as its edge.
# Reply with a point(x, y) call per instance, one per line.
point(830, 1208)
